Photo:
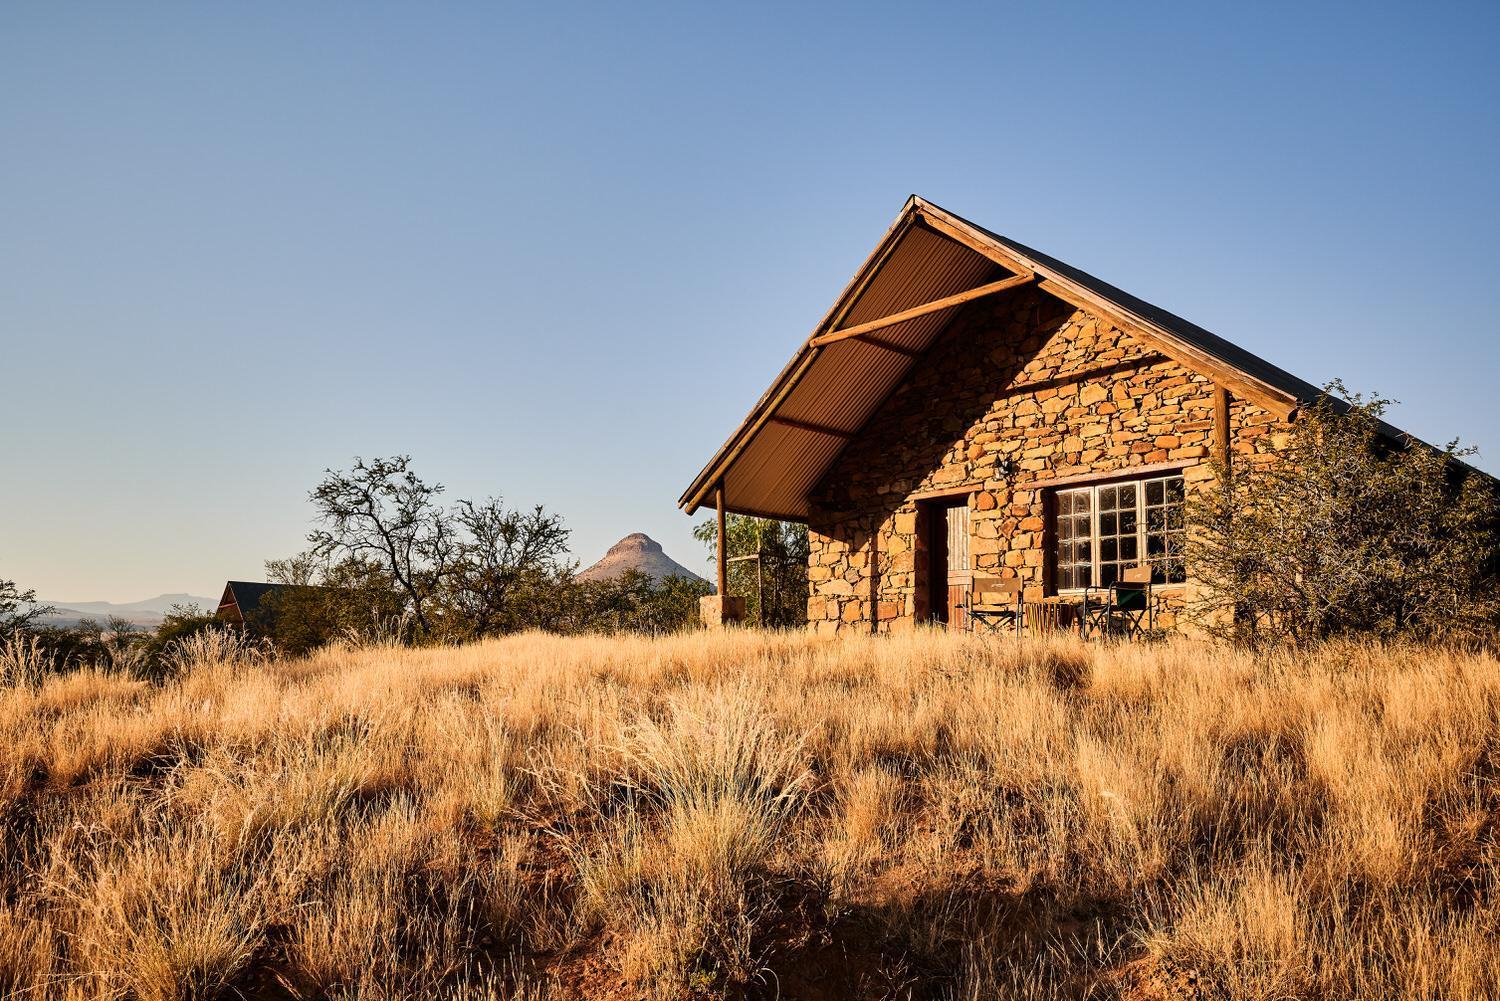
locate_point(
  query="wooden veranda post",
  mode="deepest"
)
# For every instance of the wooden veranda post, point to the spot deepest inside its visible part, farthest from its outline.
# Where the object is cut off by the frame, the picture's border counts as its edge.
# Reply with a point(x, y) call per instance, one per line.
point(722, 547)
point(720, 609)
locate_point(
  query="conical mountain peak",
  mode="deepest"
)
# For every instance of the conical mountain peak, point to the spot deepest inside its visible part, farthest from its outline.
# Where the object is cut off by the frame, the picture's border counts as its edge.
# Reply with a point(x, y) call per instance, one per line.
point(636, 541)
point(637, 551)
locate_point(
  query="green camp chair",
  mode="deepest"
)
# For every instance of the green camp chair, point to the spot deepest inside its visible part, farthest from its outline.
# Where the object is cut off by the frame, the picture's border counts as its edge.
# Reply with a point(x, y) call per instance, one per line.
point(1124, 608)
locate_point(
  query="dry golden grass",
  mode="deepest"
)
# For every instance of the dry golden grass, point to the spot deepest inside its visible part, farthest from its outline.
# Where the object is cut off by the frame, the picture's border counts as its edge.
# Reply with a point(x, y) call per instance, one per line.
point(754, 815)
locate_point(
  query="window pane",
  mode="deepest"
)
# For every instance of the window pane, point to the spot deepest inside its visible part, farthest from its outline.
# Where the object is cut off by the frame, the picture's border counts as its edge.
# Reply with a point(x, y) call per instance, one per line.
point(1123, 525)
point(1164, 529)
point(1071, 544)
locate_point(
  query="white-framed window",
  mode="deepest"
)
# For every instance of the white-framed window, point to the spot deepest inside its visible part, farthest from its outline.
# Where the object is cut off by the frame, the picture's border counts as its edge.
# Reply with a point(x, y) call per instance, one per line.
point(1104, 529)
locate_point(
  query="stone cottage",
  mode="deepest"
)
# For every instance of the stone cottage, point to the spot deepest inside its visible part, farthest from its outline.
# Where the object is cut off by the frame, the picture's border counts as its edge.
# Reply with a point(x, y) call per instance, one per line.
point(970, 405)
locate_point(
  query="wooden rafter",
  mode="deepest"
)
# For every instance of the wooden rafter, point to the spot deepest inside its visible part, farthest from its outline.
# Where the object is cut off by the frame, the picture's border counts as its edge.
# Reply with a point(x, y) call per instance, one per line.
point(789, 422)
point(946, 302)
point(885, 345)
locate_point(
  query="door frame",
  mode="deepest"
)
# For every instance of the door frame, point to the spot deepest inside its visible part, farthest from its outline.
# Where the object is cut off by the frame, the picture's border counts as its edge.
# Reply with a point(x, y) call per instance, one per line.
point(934, 578)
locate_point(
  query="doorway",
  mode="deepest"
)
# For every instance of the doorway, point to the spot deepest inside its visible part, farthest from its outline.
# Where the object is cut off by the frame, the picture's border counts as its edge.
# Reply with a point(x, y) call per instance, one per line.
point(945, 538)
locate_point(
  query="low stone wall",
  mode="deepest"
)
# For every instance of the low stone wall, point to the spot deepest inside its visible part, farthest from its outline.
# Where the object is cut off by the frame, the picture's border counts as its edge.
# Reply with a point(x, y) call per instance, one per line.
point(1024, 382)
point(718, 610)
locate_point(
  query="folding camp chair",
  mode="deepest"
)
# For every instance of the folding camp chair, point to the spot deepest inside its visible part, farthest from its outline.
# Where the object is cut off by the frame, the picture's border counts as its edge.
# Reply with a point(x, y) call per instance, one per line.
point(995, 603)
point(1124, 608)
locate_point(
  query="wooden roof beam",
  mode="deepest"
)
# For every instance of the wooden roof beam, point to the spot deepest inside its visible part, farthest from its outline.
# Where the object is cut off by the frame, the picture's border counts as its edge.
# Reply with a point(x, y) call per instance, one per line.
point(947, 302)
point(885, 345)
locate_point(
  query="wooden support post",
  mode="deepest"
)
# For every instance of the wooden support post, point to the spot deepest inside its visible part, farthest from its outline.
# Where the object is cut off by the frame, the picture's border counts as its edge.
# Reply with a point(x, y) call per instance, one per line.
point(760, 589)
point(723, 542)
point(718, 610)
point(1221, 426)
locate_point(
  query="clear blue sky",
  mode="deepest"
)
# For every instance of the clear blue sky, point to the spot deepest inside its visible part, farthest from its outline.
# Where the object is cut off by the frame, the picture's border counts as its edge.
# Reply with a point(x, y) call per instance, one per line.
point(556, 251)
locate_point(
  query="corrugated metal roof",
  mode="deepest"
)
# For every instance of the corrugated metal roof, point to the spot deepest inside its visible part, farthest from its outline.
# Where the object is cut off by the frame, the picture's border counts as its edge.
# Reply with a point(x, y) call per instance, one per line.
point(1251, 364)
point(768, 468)
point(847, 381)
point(248, 594)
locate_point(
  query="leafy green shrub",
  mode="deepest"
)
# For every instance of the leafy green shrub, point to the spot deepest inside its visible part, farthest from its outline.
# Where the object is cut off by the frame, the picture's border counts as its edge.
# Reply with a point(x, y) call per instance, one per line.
point(633, 602)
point(323, 600)
point(779, 577)
point(1353, 529)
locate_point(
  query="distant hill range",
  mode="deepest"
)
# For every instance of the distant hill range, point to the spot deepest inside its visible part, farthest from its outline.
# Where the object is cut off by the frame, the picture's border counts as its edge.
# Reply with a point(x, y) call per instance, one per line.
point(637, 551)
point(142, 613)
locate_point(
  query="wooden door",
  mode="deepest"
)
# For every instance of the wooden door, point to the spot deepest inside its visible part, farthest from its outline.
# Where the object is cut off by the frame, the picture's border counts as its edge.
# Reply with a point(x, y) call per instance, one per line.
point(960, 576)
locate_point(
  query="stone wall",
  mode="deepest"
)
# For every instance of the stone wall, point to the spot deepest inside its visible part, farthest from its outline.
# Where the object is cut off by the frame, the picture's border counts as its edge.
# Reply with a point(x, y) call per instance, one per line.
point(1055, 391)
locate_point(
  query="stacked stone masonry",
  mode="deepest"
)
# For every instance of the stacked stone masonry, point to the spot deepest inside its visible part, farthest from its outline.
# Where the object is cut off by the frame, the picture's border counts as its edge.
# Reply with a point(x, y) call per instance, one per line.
point(1022, 384)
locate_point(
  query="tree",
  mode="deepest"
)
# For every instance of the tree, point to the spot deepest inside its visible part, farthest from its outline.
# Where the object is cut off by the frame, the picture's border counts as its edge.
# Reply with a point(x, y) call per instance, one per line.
point(382, 512)
point(19, 609)
point(780, 573)
point(1346, 532)
point(476, 569)
point(501, 553)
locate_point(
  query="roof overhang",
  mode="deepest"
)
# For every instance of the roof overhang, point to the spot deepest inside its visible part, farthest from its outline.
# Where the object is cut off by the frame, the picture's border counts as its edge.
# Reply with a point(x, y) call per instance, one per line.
point(929, 264)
